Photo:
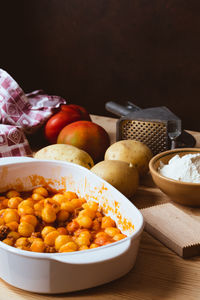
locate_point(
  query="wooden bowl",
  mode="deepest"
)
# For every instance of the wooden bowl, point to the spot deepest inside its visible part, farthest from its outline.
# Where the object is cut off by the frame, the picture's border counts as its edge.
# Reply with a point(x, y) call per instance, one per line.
point(181, 192)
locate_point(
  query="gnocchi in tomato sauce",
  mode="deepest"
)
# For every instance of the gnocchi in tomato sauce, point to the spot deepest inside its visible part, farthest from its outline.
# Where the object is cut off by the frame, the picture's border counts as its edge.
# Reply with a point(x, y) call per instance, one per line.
point(42, 221)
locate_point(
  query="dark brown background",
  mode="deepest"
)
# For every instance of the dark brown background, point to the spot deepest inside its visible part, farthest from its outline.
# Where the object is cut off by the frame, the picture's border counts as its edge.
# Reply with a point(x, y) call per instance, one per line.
point(93, 51)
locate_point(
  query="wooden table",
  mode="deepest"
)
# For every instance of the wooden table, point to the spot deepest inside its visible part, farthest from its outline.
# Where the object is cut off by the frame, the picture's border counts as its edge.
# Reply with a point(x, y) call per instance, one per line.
point(158, 274)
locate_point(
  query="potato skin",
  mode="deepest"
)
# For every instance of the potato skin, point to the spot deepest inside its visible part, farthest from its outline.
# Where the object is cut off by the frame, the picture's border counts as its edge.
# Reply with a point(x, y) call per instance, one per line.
point(131, 151)
point(66, 153)
point(120, 174)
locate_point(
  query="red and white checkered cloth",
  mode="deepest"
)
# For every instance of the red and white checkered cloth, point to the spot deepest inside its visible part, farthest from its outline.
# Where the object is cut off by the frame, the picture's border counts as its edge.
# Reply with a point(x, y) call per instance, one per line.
point(13, 142)
point(21, 113)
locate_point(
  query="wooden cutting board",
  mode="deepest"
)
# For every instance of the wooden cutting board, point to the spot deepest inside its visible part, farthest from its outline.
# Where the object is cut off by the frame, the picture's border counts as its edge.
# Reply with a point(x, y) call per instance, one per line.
point(174, 228)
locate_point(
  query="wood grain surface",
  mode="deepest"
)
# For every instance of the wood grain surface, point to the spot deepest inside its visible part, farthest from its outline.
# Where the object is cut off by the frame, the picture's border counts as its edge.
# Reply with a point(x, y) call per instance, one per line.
point(158, 274)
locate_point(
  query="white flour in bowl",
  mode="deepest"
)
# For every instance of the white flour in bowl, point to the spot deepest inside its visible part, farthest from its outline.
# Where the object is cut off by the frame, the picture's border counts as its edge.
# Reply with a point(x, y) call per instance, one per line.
point(185, 168)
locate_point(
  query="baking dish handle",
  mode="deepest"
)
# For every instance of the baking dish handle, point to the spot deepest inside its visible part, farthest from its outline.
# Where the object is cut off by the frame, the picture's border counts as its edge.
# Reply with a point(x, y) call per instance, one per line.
point(97, 256)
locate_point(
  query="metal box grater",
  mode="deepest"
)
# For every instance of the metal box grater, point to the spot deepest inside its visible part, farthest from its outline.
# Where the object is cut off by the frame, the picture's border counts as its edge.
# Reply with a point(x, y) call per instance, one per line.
point(156, 127)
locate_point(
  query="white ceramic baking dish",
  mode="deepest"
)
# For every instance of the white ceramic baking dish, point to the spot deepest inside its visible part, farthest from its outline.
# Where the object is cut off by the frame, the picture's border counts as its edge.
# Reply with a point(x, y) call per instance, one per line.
point(66, 272)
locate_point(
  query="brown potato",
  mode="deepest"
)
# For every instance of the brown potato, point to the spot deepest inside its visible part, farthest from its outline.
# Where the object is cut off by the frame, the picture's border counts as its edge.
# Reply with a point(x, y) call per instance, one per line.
point(120, 174)
point(131, 151)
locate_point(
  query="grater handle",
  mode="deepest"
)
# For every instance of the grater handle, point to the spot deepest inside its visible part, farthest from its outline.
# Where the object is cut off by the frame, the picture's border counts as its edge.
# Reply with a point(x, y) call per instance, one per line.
point(120, 110)
point(132, 106)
